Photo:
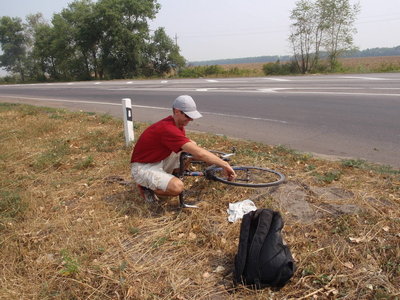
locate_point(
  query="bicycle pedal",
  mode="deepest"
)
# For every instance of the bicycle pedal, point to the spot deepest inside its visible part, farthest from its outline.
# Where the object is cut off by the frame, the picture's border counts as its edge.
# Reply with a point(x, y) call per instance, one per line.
point(185, 205)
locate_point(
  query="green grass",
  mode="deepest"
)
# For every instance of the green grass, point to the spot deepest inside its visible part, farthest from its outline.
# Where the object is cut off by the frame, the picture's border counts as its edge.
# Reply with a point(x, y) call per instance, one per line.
point(12, 207)
point(328, 177)
point(364, 165)
point(70, 264)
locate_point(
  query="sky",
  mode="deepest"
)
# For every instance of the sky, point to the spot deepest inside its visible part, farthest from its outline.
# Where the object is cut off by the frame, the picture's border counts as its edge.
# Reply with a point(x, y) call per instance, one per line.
point(221, 29)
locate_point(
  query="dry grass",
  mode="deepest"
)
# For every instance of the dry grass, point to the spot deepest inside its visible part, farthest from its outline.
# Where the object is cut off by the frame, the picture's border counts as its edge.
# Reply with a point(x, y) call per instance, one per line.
point(374, 64)
point(69, 231)
point(361, 64)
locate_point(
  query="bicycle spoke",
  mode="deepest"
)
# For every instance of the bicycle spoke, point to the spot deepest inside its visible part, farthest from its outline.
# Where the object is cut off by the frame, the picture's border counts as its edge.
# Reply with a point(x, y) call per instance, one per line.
point(249, 176)
point(255, 176)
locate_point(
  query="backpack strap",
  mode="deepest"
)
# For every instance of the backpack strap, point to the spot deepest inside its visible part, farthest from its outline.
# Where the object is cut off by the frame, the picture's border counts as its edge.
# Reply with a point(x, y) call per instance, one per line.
point(241, 256)
point(264, 222)
point(287, 267)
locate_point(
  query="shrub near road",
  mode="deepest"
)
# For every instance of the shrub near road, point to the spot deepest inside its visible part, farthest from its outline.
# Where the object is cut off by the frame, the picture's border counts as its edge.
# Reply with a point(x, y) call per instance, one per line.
point(73, 227)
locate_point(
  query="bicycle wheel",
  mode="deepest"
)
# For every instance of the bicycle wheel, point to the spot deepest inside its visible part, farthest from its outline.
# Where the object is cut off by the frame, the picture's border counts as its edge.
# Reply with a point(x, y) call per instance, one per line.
point(247, 176)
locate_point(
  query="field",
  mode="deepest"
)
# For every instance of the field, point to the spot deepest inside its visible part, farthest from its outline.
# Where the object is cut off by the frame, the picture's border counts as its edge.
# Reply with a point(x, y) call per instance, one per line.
point(73, 226)
point(356, 65)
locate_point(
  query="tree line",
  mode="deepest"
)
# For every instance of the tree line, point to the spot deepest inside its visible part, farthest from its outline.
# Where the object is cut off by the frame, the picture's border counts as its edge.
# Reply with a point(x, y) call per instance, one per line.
point(108, 39)
point(111, 39)
point(321, 31)
point(370, 52)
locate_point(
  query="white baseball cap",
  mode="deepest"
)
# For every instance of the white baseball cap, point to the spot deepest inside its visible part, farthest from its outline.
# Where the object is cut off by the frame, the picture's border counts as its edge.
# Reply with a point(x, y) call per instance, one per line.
point(186, 104)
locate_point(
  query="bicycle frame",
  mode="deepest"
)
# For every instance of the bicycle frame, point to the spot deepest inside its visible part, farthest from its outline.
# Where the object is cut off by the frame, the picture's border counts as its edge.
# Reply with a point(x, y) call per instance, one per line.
point(183, 172)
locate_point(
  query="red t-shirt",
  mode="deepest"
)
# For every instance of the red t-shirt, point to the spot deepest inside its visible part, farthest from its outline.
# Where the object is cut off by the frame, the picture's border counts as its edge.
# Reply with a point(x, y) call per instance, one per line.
point(158, 141)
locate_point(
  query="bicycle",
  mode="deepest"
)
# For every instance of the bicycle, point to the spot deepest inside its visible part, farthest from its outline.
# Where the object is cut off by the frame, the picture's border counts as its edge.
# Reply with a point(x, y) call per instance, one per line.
point(247, 176)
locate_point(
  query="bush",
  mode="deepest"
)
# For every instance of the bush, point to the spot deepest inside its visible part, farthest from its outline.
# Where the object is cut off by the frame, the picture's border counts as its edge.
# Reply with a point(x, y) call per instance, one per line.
point(201, 71)
point(213, 70)
point(8, 79)
point(191, 72)
point(278, 68)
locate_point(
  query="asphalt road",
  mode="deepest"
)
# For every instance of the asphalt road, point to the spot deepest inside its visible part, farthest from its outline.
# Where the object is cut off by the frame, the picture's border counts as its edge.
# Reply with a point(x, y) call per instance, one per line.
point(351, 116)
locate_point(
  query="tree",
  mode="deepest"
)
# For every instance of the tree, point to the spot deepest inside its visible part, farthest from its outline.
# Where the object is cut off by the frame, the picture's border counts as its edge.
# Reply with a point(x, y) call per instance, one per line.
point(125, 34)
point(44, 52)
point(321, 25)
point(85, 32)
point(163, 54)
point(13, 45)
point(338, 17)
point(306, 35)
point(37, 32)
point(105, 39)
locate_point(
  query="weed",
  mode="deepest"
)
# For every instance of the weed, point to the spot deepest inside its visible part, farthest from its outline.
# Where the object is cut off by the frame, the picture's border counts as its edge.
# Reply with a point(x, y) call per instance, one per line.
point(53, 156)
point(70, 264)
point(11, 206)
point(328, 177)
point(309, 168)
point(341, 226)
point(87, 162)
point(57, 116)
point(105, 118)
point(291, 154)
point(159, 242)
point(322, 279)
point(123, 266)
point(134, 230)
point(354, 163)
point(307, 271)
point(7, 106)
point(101, 141)
point(362, 164)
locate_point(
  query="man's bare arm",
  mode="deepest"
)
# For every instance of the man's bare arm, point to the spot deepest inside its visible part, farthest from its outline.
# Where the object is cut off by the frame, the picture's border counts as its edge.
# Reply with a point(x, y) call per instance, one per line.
point(208, 157)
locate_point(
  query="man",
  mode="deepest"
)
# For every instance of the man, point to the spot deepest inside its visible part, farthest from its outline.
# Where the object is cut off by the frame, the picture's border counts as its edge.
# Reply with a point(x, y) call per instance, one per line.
point(156, 153)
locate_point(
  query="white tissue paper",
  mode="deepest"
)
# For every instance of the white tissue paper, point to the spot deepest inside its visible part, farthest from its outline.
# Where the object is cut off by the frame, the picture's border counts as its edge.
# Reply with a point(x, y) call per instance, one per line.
point(237, 210)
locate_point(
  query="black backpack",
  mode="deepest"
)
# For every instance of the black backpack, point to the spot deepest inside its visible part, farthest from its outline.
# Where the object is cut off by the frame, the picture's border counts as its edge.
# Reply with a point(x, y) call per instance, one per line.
point(262, 259)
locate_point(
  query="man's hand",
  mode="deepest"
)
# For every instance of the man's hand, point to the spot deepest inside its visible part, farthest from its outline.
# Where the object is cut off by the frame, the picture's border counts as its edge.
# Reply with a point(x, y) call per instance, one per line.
point(208, 157)
point(230, 173)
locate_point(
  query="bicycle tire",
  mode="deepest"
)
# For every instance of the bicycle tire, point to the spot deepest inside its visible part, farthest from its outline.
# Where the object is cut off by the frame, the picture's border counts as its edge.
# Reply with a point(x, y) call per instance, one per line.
point(248, 176)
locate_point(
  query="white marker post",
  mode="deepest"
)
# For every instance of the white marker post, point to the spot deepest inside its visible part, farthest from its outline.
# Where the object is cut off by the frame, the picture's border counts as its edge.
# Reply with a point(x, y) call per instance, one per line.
point(128, 120)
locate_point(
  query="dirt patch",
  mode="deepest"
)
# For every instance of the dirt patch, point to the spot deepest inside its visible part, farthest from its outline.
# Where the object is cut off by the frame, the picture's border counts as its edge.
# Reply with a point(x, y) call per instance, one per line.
point(297, 202)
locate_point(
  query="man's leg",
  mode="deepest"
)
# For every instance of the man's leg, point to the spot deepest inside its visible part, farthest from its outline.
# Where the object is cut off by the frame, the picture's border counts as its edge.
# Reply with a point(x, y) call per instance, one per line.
point(174, 188)
point(175, 185)
point(151, 178)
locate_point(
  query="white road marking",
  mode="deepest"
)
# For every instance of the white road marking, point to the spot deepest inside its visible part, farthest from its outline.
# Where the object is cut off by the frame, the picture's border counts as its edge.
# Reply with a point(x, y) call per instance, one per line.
point(61, 100)
point(276, 79)
point(364, 78)
point(211, 80)
point(273, 90)
point(294, 91)
point(344, 93)
point(164, 81)
point(148, 107)
point(245, 117)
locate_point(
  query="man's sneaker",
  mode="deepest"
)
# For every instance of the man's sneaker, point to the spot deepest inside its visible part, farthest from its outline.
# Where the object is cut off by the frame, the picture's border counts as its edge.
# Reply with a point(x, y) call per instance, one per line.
point(148, 195)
